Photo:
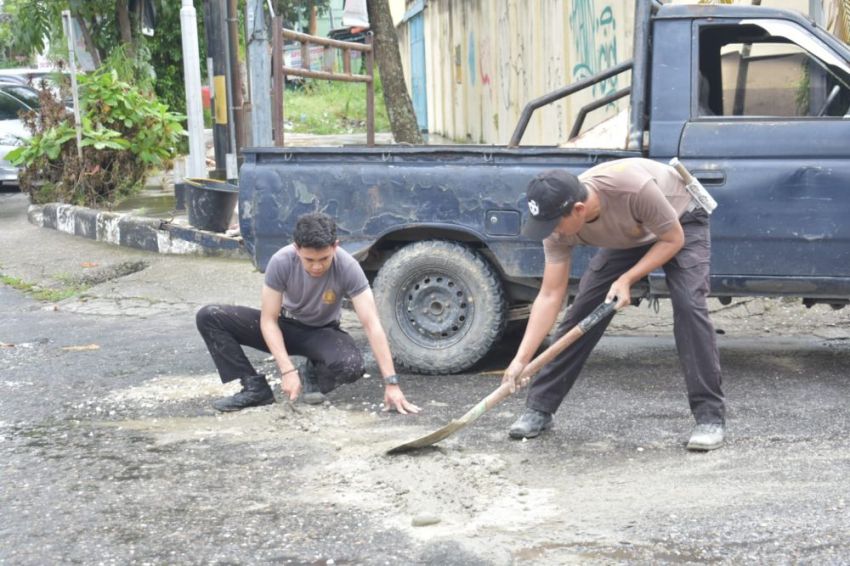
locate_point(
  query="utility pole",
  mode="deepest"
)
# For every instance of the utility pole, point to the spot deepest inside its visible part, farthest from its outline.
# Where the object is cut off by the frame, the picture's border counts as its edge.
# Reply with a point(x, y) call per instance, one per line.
point(197, 163)
point(68, 24)
point(259, 71)
point(237, 113)
point(217, 49)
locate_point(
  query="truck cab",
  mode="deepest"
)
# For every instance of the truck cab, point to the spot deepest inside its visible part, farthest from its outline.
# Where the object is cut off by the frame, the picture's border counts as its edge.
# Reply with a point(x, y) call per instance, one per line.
point(766, 130)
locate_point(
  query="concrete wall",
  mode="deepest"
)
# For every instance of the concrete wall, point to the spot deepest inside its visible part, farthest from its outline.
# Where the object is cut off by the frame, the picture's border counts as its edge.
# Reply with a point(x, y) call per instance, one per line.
point(485, 59)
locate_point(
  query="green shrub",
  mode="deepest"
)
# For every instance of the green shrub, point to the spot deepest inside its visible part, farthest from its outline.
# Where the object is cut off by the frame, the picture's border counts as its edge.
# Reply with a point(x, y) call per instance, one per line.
point(125, 133)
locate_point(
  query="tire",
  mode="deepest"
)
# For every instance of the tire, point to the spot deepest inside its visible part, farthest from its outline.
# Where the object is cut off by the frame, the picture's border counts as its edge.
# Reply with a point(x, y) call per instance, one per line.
point(442, 306)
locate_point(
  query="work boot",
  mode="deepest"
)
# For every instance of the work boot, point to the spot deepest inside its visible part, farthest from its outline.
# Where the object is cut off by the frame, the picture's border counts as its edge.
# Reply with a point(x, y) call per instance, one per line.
point(255, 392)
point(310, 392)
point(707, 437)
point(530, 424)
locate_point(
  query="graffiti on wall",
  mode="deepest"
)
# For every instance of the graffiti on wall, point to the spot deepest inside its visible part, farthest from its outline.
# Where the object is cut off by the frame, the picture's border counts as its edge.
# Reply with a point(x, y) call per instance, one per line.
point(478, 61)
point(593, 33)
point(484, 62)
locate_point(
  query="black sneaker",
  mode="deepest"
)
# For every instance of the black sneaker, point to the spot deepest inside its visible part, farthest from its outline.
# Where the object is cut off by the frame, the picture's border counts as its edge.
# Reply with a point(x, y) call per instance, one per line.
point(310, 392)
point(530, 424)
point(255, 392)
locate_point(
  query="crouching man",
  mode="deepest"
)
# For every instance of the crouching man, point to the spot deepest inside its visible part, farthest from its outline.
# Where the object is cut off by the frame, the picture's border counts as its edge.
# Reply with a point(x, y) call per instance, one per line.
point(305, 283)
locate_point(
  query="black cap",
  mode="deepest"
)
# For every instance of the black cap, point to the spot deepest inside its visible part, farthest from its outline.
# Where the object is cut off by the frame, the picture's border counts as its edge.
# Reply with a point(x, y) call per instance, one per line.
point(550, 194)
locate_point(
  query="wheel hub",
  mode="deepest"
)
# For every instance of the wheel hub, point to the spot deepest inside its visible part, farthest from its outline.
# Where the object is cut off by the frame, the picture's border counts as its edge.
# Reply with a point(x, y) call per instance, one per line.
point(435, 308)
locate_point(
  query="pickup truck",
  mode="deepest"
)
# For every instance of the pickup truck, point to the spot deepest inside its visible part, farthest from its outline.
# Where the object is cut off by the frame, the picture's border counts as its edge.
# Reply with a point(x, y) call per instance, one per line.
point(755, 102)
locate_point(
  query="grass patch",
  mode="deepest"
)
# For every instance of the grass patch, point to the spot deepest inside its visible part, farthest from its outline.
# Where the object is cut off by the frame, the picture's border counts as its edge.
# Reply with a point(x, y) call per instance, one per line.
point(55, 295)
point(16, 283)
point(46, 294)
point(328, 107)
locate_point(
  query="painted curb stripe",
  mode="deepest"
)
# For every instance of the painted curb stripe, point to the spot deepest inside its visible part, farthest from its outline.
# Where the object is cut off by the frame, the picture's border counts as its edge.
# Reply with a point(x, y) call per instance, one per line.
point(142, 233)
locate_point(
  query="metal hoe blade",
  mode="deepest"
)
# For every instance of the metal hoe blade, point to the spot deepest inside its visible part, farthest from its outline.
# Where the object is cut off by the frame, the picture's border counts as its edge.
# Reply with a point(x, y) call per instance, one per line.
point(428, 439)
point(503, 392)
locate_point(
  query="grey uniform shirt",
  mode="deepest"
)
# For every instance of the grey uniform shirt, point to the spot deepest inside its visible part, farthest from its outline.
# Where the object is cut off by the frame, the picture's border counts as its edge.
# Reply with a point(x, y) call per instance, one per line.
point(315, 301)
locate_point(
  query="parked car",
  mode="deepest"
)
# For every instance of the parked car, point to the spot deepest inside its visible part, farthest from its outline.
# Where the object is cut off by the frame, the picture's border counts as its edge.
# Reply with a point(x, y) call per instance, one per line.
point(53, 79)
point(352, 34)
point(15, 99)
point(30, 76)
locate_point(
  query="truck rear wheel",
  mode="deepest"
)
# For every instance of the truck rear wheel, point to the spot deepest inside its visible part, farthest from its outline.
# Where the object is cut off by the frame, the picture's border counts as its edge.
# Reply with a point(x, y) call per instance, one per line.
point(442, 306)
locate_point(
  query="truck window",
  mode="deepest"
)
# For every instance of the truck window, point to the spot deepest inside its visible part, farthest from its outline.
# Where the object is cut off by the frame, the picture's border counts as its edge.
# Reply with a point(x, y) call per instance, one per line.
point(769, 68)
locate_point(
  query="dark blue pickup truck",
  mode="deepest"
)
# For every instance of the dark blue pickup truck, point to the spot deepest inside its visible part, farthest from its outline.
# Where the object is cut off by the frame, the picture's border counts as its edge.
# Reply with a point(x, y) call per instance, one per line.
point(754, 101)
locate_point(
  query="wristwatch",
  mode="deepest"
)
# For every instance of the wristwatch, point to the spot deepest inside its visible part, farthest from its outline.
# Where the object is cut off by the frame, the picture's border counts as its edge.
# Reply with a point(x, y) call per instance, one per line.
point(391, 379)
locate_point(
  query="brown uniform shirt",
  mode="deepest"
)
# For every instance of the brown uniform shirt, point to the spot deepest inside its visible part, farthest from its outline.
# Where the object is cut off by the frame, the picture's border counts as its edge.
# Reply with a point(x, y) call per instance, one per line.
point(640, 199)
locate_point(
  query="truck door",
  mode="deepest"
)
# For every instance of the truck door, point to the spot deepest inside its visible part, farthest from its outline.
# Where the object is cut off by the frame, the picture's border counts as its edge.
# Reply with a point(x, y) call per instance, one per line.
point(769, 136)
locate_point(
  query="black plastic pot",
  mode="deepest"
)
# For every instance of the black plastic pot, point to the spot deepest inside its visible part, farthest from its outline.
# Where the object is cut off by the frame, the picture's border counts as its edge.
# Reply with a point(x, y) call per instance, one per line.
point(210, 203)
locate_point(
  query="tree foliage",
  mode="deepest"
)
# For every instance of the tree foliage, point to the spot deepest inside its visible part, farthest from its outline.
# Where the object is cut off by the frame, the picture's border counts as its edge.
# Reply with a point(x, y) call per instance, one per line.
point(156, 62)
point(298, 10)
point(29, 24)
point(33, 24)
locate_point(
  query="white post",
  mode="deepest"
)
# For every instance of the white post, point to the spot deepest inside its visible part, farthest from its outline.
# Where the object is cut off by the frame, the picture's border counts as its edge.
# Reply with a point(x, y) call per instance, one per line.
point(68, 24)
point(196, 165)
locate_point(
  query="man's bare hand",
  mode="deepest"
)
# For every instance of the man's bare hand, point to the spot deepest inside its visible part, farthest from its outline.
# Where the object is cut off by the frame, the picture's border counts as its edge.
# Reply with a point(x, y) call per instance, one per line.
point(513, 376)
point(394, 399)
point(621, 291)
point(290, 384)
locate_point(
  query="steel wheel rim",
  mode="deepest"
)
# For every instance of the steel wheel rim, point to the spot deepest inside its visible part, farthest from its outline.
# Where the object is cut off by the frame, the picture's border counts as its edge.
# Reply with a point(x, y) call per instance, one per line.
point(435, 309)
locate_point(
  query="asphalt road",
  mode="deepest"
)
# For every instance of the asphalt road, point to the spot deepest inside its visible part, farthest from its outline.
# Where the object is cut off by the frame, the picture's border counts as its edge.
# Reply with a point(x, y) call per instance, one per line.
point(110, 452)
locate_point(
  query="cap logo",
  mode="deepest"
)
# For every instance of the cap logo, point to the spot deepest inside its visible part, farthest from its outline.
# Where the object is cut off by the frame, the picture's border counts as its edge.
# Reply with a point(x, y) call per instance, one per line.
point(533, 207)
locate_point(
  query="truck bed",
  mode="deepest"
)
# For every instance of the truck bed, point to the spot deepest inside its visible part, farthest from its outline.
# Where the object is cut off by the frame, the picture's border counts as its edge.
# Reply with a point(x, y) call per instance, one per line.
point(375, 191)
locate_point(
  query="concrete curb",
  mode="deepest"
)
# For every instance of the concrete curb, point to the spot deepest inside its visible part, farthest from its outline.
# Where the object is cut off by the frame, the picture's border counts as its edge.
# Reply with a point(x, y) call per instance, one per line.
point(150, 234)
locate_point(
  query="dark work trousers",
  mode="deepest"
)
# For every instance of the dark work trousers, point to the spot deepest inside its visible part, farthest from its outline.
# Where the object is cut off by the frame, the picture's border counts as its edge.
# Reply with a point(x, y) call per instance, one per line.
point(687, 279)
point(226, 328)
